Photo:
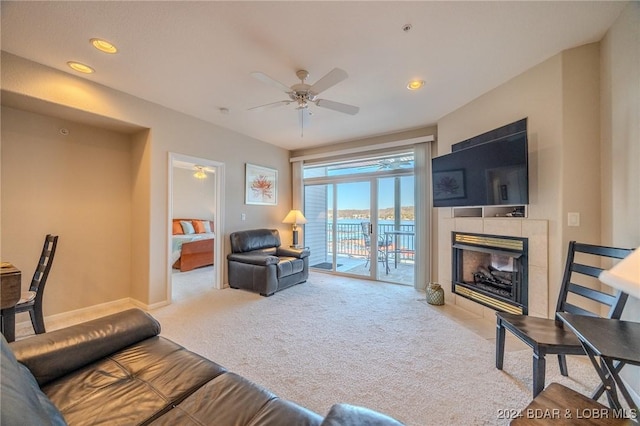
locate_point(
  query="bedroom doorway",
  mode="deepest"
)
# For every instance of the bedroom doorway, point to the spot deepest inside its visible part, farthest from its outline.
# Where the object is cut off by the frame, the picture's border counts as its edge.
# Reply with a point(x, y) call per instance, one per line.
point(195, 193)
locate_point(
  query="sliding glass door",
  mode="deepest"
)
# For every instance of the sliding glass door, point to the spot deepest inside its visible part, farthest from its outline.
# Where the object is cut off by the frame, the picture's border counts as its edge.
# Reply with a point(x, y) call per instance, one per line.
point(338, 227)
point(360, 217)
point(396, 229)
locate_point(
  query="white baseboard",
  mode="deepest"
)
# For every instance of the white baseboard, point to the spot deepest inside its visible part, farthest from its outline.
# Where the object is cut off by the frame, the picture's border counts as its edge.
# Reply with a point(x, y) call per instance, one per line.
point(151, 307)
point(65, 319)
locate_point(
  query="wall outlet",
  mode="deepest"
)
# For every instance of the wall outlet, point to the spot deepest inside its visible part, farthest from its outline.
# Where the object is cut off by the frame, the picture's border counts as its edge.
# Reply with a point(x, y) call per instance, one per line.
point(243, 216)
point(573, 219)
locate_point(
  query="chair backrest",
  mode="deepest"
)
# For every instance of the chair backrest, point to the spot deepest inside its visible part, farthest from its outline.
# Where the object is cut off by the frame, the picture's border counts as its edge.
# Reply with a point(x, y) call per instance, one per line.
point(366, 232)
point(254, 239)
point(44, 266)
point(574, 269)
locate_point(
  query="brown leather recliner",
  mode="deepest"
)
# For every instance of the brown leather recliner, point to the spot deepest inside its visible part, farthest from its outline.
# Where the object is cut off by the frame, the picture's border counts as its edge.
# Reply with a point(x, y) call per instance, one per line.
point(258, 263)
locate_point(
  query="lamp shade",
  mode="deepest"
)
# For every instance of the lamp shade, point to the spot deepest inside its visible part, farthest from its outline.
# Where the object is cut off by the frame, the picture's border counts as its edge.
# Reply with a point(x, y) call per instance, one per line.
point(296, 217)
point(625, 275)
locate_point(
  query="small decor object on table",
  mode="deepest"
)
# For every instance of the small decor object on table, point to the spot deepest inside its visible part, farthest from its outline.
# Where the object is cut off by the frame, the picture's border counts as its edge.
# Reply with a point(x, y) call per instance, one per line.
point(435, 294)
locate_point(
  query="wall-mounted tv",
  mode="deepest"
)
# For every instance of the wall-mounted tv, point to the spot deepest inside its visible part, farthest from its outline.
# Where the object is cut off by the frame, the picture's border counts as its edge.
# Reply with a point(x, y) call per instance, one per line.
point(486, 174)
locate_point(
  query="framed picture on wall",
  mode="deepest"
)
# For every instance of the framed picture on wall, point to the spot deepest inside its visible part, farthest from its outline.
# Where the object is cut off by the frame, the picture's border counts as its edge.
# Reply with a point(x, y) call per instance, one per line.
point(261, 185)
point(448, 184)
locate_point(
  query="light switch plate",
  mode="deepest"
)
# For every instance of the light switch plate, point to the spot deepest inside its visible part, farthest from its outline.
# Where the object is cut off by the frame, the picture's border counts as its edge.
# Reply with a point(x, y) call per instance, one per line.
point(573, 219)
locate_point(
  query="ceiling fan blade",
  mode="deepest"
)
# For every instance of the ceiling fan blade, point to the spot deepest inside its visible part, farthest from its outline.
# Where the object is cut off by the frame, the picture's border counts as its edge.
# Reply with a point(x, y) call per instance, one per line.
point(332, 78)
point(271, 105)
point(270, 81)
point(337, 106)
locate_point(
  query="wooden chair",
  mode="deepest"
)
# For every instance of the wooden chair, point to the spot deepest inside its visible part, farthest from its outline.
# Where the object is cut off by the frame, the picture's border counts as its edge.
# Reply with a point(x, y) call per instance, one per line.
point(564, 405)
point(547, 336)
point(31, 301)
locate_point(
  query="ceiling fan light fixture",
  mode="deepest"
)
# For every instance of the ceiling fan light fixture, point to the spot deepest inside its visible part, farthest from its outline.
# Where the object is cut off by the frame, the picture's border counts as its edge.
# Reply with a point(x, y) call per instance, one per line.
point(415, 84)
point(200, 172)
point(103, 45)
point(80, 67)
point(303, 94)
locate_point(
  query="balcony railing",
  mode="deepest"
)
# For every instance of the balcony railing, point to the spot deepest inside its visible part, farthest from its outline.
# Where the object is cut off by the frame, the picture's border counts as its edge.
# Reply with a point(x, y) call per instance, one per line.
point(351, 242)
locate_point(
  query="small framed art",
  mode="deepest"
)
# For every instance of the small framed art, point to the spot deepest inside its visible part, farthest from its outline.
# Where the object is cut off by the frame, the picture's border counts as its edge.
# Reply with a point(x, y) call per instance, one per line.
point(448, 184)
point(261, 185)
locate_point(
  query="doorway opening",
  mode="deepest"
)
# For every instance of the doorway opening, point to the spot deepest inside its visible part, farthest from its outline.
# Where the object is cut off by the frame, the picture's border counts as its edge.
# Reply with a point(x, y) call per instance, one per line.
point(195, 223)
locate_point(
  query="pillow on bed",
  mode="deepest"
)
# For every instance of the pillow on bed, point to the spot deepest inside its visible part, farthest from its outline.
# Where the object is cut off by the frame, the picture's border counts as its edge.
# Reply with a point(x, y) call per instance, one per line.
point(177, 228)
point(202, 226)
point(187, 227)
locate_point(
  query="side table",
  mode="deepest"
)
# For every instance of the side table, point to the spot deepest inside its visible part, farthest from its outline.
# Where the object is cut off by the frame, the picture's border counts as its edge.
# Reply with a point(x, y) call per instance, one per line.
point(616, 343)
point(10, 281)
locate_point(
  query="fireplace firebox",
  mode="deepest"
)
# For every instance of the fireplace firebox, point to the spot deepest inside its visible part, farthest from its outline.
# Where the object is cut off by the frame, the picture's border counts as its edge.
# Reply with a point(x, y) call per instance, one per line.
point(491, 270)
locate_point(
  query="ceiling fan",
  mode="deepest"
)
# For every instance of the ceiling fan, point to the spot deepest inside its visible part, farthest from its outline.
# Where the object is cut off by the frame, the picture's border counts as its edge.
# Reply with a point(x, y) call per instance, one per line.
point(302, 94)
point(395, 163)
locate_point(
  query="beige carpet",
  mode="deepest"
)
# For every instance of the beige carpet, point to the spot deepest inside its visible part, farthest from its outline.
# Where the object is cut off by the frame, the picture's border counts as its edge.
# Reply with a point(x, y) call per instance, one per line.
point(342, 340)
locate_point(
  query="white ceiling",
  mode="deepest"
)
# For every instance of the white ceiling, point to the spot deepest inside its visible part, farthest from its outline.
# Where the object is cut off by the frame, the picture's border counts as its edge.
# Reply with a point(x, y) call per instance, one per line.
point(196, 57)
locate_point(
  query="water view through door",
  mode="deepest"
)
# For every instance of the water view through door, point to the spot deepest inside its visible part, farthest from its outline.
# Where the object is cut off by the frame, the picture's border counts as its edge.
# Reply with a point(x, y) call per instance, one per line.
point(363, 226)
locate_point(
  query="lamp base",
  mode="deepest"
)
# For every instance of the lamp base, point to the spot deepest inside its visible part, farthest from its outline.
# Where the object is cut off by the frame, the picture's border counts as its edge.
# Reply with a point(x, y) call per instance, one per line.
point(295, 238)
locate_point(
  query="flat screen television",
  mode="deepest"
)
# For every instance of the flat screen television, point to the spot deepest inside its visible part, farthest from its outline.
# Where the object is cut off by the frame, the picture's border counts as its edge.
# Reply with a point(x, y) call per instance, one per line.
point(487, 174)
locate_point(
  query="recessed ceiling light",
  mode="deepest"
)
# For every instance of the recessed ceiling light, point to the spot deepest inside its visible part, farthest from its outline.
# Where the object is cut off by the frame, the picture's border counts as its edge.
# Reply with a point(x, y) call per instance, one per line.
point(77, 66)
point(415, 84)
point(103, 45)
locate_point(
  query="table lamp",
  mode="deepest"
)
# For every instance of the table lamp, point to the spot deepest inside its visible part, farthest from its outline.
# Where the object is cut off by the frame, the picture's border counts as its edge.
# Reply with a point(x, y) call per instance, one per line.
point(625, 275)
point(295, 217)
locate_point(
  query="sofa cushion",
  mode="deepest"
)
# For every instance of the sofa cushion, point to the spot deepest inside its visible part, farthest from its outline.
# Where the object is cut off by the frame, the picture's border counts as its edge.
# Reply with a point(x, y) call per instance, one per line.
point(352, 415)
point(131, 385)
point(289, 266)
point(22, 402)
point(230, 399)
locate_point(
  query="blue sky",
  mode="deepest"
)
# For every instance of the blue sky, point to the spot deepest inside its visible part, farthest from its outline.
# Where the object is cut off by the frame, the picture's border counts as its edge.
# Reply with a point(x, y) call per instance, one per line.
point(357, 195)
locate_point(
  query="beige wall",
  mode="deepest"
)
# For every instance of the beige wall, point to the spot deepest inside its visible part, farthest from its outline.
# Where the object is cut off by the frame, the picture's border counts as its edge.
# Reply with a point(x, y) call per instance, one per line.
point(168, 131)
point(193, 198)
point(78, 187)
point(620, 131)
point(581, 143)
point(368, 143)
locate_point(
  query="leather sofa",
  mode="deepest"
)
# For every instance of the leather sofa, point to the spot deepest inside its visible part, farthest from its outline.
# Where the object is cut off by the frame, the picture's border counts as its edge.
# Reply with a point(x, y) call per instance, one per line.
point(258, 263)
point(118, 370)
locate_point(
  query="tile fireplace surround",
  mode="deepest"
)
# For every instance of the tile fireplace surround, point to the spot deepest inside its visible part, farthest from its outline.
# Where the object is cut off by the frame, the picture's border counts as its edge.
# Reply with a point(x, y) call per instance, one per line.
point(536, 231)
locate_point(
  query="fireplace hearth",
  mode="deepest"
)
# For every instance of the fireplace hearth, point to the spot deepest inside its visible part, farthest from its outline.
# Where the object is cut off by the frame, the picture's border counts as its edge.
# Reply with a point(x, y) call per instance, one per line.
point(491, 270)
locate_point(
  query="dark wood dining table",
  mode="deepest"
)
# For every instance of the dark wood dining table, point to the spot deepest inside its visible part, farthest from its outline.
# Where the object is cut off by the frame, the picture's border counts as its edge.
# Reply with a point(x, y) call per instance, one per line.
point(616, 343)
point(10, 281)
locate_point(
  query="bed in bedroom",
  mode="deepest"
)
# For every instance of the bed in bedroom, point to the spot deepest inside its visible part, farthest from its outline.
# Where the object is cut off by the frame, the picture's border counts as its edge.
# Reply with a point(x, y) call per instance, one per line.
point(192, 244)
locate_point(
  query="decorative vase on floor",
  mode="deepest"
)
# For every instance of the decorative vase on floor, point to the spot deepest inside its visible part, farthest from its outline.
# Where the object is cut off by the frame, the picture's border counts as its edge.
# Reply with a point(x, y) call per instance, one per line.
point(435, 294)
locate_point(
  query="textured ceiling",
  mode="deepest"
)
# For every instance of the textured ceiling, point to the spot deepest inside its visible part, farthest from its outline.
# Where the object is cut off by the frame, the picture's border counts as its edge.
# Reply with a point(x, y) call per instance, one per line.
point(197, 57)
